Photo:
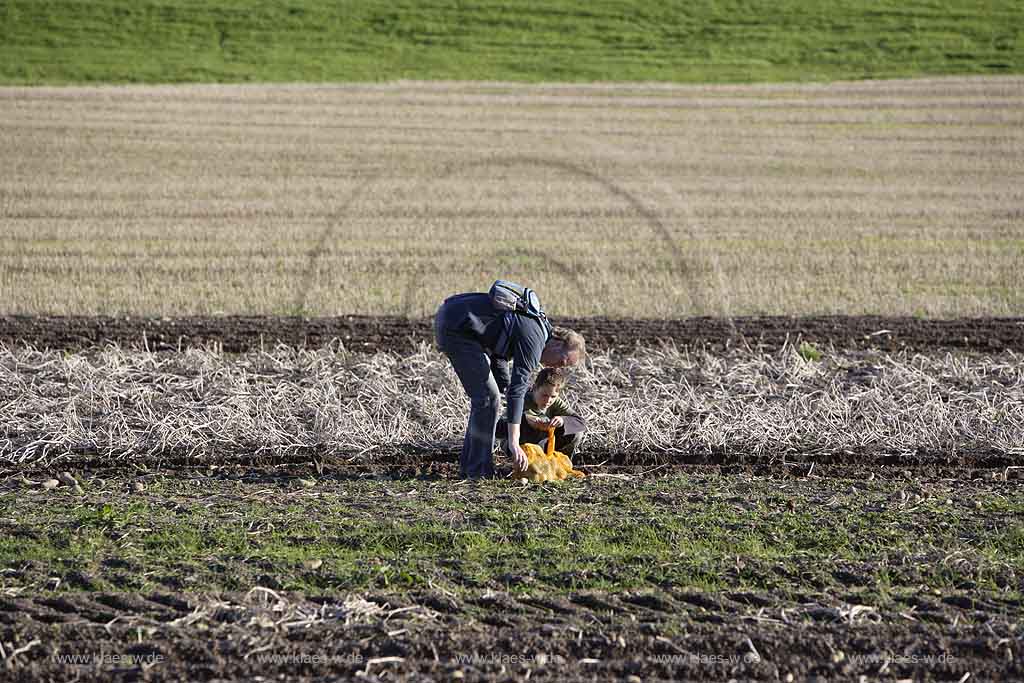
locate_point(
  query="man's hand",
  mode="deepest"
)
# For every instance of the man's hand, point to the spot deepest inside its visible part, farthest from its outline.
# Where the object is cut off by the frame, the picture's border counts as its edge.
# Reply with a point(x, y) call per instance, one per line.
point(557, 421)
point(519, 458)
point(514, 449)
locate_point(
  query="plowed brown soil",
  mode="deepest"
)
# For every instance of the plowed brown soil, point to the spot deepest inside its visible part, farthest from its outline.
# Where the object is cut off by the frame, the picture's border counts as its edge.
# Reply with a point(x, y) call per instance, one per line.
point(582, 637)
point(395, 333)
point(443, 463)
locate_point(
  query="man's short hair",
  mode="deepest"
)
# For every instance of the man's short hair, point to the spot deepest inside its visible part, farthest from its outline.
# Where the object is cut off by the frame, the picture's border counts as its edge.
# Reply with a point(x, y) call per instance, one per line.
point(573, 340)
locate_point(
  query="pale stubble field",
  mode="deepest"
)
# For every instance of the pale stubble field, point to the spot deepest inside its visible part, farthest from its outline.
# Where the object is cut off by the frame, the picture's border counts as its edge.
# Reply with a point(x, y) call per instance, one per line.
point(897, 197)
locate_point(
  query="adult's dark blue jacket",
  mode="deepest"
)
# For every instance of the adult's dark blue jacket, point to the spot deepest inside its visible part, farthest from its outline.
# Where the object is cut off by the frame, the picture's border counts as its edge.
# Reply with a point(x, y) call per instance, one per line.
point(472, 315)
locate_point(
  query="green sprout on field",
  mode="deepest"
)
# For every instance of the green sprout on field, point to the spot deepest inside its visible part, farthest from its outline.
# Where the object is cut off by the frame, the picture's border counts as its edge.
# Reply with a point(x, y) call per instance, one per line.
point(809, 352)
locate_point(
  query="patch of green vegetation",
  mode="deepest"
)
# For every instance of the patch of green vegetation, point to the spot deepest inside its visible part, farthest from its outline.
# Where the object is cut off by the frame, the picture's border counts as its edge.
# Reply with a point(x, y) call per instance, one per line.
point(68, 41)
point(706, 533)
point(809, 352)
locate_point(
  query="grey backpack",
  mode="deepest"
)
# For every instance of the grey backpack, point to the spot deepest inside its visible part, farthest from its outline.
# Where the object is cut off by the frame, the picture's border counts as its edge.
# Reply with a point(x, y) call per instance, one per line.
point(513, 299)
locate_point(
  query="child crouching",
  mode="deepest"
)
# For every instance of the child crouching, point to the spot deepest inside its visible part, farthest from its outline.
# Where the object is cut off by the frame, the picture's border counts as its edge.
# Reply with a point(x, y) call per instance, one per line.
point(543, 407)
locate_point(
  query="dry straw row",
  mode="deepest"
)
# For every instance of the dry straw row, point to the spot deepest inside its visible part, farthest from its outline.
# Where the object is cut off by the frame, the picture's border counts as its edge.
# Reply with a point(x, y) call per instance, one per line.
point(124, 403)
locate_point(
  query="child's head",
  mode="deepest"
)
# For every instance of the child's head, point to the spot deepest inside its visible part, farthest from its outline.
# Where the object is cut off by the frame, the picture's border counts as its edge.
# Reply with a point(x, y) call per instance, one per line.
point(548, 384)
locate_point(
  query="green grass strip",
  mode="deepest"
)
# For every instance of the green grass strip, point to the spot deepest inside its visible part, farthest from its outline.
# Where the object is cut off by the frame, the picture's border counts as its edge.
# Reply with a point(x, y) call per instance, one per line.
point(168, 41)
point(703, 533)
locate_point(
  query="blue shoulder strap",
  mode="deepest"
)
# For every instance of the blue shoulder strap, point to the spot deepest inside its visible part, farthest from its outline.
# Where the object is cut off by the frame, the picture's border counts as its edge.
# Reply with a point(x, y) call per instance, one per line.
point(505, 337)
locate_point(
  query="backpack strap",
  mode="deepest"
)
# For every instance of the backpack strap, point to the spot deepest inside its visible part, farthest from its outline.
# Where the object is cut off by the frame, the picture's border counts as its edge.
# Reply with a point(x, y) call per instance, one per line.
point(537, 312)
point(505, 336)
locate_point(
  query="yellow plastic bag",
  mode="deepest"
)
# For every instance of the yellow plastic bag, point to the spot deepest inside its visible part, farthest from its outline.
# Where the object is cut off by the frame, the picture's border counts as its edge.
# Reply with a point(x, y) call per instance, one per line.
point(546, 466)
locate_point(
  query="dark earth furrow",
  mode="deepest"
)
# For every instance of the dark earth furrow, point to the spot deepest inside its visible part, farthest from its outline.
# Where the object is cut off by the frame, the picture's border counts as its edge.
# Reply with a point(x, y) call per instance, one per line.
point(238, 334)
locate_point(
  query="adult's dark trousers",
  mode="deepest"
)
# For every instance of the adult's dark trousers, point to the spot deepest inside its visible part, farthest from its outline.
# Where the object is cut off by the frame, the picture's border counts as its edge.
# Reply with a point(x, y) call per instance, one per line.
point(566, 436)
point(473, 367)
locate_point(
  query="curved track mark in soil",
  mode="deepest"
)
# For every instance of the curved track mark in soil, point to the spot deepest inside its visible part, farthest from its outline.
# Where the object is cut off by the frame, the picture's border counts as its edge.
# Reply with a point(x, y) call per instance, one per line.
point(572, 170)
point(507, 161)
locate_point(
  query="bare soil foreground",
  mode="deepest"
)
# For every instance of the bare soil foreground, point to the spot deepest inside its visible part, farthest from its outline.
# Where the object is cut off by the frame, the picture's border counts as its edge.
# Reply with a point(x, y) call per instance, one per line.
point(237, 334)
point(291, 573)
